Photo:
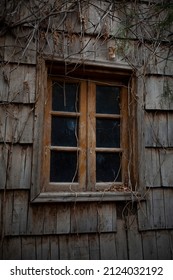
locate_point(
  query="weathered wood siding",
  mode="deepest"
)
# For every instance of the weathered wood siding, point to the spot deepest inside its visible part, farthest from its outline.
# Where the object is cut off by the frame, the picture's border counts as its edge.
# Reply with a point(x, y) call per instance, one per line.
point(26, 219)
point(153, 245)
point(88, 230)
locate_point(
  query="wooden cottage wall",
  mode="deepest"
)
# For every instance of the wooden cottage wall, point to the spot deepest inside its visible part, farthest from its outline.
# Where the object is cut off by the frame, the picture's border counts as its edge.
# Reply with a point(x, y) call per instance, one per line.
point(89, 230)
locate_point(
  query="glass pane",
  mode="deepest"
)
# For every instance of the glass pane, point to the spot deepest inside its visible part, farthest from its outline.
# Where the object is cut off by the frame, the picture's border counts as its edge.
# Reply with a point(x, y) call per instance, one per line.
point(64, 131)
point(107, 133)
point(65, 97)
point(63, 166)
point(107, 100)
point(108, 167)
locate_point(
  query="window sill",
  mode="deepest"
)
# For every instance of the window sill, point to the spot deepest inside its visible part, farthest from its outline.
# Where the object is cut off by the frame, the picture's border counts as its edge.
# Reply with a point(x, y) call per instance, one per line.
point(47, 197)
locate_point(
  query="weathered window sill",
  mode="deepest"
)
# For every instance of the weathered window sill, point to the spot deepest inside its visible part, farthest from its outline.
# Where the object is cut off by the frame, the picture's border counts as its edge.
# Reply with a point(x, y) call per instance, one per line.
point(46, 197)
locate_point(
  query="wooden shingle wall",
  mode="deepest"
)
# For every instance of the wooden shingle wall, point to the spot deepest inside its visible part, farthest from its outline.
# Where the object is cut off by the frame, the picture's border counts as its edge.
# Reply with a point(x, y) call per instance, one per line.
point(155, 212)
point(17, 91)
point(29, 219)
point(153, 245)
point(112, 230)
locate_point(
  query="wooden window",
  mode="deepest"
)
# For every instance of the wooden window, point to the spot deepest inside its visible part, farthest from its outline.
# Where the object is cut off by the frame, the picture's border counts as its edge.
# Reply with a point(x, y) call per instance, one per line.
point(86, 143)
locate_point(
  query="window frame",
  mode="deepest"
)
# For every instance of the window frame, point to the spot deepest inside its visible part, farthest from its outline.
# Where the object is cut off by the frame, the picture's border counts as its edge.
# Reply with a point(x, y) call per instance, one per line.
point(64, 187)
point(40, 191)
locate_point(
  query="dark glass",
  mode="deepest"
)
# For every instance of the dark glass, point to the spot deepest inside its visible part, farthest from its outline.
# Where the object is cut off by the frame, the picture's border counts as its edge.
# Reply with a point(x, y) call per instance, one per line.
point(108, 167)
point(107, 100)
point(107, 133)
point(64, 131)
point(63, 166)
point(65, 97)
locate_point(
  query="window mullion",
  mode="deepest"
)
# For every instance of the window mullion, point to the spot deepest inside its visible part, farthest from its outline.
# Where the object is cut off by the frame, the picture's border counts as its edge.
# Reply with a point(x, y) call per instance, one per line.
point(82, 136)
point(91, 137)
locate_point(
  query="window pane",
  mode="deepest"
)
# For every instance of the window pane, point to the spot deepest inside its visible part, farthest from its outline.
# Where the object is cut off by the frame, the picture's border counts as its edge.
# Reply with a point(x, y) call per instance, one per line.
point(64, 131)
point(108, 167)
point(63, 166)
point(65, 97)
point(107, 100)
point(107, 133)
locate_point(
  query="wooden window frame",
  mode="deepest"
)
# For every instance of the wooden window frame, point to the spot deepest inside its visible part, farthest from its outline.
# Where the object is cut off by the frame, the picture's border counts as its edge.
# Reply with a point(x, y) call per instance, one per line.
point(86, 190)
point(73, 186)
